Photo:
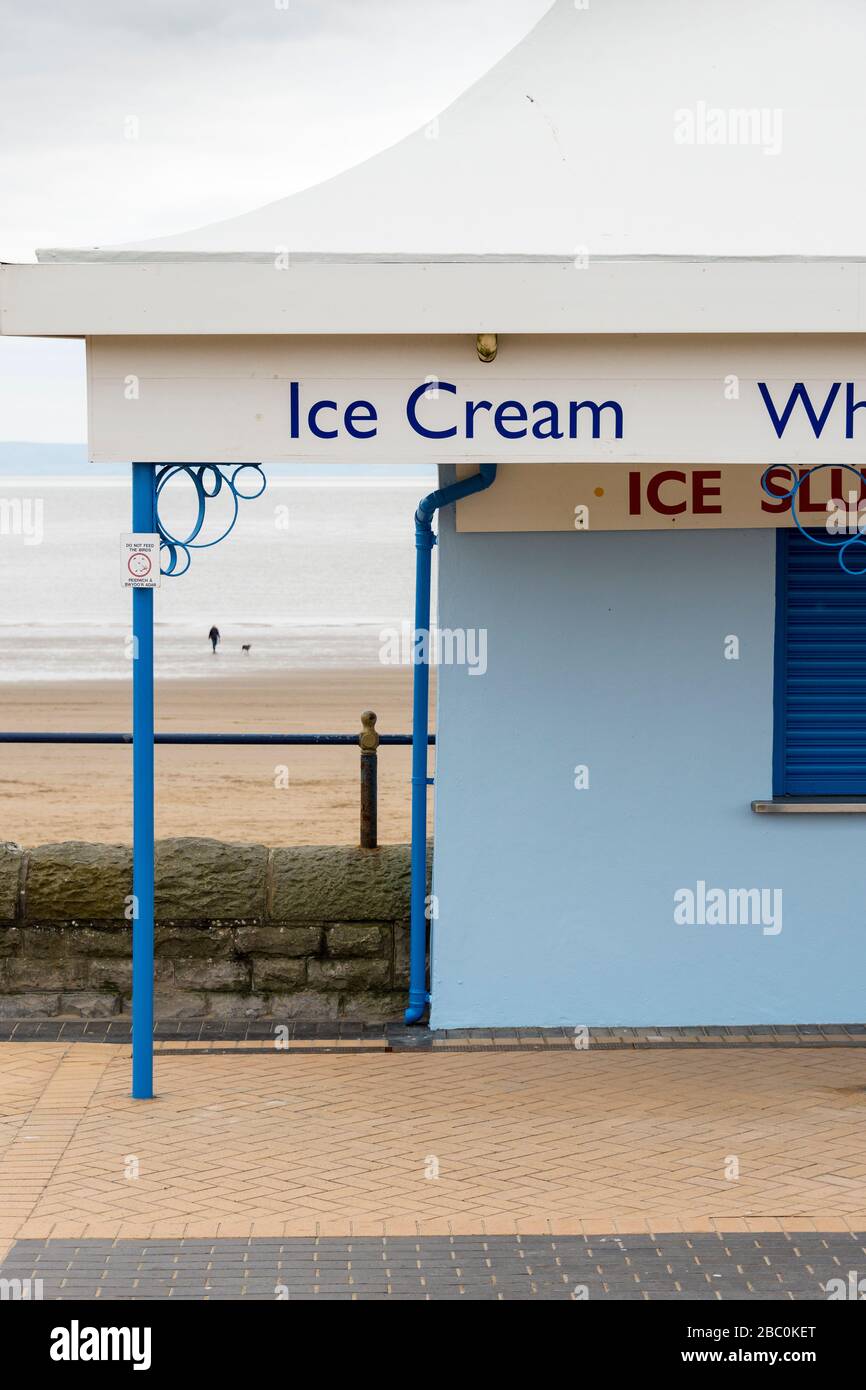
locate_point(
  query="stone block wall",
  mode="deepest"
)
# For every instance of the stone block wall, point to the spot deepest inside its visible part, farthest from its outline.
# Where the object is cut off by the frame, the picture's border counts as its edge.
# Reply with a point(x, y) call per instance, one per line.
point(318, 933)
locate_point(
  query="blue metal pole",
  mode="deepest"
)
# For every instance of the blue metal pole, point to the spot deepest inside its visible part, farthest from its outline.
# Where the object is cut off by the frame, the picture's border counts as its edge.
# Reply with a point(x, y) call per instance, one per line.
point(143, 520)
point(419, 996)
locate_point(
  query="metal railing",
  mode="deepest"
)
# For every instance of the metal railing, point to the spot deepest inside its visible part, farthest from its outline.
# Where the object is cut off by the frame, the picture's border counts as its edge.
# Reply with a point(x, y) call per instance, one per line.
point(368, 741)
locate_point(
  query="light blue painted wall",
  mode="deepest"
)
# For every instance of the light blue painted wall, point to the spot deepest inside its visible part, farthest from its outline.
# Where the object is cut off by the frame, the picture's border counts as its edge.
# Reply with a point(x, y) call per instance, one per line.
point(556, 905)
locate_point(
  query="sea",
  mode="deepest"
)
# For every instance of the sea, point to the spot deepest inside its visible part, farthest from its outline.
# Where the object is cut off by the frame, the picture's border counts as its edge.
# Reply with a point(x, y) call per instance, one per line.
point(315, 574)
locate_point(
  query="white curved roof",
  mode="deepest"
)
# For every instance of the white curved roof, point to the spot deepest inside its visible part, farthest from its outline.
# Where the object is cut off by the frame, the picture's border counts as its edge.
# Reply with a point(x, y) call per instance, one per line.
point(626, 129)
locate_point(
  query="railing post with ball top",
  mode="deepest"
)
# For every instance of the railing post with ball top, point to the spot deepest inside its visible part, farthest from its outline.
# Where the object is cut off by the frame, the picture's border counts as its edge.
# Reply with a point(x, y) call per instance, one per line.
point(369, 743)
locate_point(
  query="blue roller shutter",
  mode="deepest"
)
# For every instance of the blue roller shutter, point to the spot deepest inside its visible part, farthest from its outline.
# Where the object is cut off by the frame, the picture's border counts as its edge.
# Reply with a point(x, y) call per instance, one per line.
point(820, 677)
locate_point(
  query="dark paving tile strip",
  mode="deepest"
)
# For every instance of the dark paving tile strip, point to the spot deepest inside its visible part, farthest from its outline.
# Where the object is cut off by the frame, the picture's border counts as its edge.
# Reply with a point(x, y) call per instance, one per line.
point(769, 1267)
point(402, 1039)
point(343, 1051)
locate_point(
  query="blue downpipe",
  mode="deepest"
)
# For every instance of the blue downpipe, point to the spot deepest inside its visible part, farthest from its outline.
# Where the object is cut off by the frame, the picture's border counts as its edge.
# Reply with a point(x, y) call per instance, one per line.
point(425, 540)
point(143, 520)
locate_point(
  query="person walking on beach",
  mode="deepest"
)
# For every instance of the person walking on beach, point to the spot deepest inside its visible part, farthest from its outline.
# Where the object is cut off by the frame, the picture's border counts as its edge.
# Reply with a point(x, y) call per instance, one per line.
point(214, 637)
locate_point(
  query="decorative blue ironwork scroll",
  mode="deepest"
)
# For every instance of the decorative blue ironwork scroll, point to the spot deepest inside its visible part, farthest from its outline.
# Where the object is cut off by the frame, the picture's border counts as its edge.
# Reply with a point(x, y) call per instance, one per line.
point(843, 542)
point(209, 481)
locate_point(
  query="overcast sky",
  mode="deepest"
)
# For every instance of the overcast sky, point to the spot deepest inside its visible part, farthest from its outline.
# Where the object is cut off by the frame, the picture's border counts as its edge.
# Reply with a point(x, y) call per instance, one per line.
point(233, 103)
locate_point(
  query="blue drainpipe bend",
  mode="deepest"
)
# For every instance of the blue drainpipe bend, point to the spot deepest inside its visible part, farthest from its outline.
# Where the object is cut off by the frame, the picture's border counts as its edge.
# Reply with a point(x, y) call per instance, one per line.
point(425, 540)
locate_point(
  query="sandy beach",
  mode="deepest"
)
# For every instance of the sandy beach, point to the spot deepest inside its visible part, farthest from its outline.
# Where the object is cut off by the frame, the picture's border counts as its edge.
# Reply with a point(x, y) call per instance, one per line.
point(61, 792)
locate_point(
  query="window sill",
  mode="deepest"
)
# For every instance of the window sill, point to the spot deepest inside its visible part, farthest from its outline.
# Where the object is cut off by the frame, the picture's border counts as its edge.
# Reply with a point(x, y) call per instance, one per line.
point(810, 806)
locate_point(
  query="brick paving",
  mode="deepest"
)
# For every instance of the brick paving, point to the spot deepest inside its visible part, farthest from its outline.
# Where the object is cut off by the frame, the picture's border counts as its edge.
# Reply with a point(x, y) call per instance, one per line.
point(760, 1267)
point(381, 1143)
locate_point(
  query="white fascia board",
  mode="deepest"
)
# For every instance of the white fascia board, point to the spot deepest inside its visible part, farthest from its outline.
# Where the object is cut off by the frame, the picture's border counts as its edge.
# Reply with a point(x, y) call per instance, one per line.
point(370, 295)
